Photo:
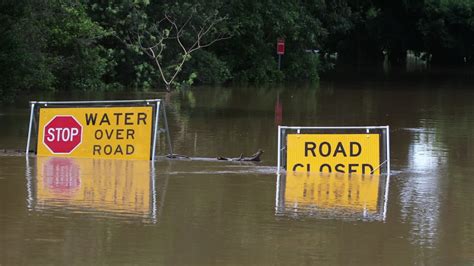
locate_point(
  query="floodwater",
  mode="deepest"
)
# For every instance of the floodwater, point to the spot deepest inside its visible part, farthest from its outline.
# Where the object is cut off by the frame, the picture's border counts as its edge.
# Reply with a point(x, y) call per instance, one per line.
point(173, 212)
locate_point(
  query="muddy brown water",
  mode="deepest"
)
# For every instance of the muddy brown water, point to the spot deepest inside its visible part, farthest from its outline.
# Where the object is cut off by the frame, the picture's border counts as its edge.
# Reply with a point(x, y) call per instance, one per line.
point(67, 211)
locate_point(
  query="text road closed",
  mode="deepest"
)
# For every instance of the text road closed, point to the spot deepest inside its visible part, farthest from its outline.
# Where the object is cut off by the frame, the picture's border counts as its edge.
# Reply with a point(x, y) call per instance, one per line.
point(334, 153)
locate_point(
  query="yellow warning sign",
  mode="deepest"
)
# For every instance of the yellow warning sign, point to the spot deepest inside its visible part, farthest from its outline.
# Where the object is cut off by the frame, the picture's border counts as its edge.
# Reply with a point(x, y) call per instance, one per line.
point(329, 153)
point(96, 132)
point(96, 184)
point(350, 192)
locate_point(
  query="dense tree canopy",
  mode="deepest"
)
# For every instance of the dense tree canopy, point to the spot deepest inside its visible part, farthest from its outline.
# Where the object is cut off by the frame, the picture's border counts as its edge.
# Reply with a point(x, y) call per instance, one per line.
point(86, 44)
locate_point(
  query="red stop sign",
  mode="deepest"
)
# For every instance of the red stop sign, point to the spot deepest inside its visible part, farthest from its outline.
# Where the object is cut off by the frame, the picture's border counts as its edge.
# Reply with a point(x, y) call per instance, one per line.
point(62, 134)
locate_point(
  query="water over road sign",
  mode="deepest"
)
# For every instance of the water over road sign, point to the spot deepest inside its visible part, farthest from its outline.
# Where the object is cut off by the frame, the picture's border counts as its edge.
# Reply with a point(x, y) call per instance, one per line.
point(123, 129)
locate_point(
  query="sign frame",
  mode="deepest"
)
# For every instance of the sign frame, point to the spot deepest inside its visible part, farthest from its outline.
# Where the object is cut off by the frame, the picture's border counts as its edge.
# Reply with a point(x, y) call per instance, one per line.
point(283, 131)
point(157, 110)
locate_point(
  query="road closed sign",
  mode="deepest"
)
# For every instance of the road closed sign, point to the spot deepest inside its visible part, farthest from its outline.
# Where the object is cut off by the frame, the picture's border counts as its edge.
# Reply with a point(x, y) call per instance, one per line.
point(114, 132)
point(345, 150)
point(334, 153)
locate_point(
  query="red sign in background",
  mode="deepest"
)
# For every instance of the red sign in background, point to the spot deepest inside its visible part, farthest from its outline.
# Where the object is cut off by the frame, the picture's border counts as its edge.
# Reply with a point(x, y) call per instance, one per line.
point(281, 46)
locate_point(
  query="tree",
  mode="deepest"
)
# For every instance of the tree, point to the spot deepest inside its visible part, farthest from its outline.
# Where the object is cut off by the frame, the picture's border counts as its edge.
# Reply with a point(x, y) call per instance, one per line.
point(49, 45)
point(251, 56)
point(447, 27)
point(23, 63)
point(78, 61)
point(170, 42)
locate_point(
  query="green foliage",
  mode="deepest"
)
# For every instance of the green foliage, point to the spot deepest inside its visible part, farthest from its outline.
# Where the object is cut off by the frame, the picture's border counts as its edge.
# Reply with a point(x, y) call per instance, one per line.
point(50, 45)
point(87, 45)
point(303, 65)
point(251, 55)
point(447, 28)
point(209, 68)
point(80, 63)
point(132, 69)
point(22, 66)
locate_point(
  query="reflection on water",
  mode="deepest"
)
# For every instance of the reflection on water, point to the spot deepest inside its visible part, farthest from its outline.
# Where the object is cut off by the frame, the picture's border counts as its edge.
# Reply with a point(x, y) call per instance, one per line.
point(424, 153)
point(420, 197)
point(338, 196)
point(117, 187)
point(278, 111)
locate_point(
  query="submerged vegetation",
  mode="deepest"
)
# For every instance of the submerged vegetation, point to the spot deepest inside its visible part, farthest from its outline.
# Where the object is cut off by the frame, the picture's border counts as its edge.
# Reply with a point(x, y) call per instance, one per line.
point(148, 45)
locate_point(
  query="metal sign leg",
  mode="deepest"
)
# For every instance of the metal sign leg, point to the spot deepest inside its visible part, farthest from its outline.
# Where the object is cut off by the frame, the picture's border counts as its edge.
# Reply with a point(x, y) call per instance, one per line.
point(170, 148)
point(29, 130)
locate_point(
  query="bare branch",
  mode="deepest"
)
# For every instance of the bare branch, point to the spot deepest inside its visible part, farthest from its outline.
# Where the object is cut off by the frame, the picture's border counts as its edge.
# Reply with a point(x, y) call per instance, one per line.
point(211, 43)
point(152, 42)
point(185, 24)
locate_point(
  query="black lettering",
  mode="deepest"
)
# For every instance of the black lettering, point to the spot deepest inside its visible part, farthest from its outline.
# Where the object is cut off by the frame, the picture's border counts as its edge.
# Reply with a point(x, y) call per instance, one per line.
point(339, 168)
point(109, 133)
point(98, 134)
point(130, 133)
point(119, 134)
point(117, 118)
point(96, 148)
point(353, 149)
point(107, 149)
point(118, 150)
point(296, 166)
point(309, 146)
point(141, 117)
point(328, 149)
point(105, 120)
point(128, 117)
point(339, 149)
point(130, 149)
point(351, 169)
point(91, 118)
point(364, 166)
point(321, 169)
